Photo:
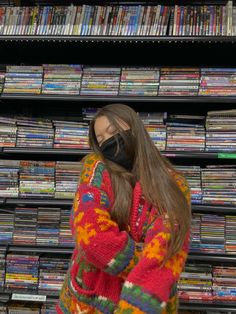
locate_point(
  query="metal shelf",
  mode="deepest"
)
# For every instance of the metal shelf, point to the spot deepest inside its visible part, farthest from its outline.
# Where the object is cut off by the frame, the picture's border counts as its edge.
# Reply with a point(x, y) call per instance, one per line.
point(46, 151)
point(81, 152)
point(204, 306)
point(119, 2)
point(205, 257)
point(204, 208)
point(120, 39)
point(166, 2)
point(40, 249)
point(68, 202)
point(140, 99)
point(6, 295)
point(211, 258)
point(199, 154)
point(36, 201)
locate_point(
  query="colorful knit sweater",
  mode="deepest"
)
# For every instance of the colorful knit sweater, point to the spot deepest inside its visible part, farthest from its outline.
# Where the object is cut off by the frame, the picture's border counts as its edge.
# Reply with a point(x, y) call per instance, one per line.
point(109, 271)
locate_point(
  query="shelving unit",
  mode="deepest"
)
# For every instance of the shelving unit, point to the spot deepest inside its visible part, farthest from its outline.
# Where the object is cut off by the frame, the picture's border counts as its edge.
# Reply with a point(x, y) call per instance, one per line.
point(217, 306)
point(117, 39)
point(197, 306)
point(69, 152)
point(97, 99)
point(56, 249)
point(208, 307)
point(67, 202)
point(132, 50)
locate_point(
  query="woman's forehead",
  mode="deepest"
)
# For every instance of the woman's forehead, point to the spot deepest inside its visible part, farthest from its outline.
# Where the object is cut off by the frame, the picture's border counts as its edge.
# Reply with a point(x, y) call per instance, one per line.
point(102, 123)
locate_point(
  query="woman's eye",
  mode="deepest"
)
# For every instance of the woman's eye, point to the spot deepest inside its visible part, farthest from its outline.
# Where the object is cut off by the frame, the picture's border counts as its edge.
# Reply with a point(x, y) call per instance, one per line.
point(99, 140)
point(112, 129)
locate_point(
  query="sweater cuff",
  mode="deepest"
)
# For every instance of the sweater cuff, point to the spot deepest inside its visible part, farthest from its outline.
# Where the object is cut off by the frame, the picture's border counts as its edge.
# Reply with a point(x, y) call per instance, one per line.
point(135, 300)
point(125, 261)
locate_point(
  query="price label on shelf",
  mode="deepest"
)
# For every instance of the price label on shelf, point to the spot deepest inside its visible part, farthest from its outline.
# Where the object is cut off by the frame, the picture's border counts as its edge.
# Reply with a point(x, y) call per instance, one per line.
point(28, 297)
point(227, 155)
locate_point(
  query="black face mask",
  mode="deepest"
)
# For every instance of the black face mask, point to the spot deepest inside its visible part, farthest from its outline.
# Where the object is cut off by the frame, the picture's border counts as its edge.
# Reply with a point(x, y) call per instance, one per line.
point(114, 149)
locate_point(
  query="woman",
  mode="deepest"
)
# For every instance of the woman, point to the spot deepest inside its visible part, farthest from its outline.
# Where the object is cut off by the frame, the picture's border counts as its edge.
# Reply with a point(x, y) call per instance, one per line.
point(131, 220)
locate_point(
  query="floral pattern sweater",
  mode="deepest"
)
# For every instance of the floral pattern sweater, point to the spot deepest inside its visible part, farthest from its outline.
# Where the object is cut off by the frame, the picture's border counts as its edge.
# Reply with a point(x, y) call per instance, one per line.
point(109, 271)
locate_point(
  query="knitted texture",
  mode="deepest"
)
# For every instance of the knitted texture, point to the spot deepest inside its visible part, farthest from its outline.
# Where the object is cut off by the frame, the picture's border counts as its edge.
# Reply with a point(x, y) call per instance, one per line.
point(110, 272)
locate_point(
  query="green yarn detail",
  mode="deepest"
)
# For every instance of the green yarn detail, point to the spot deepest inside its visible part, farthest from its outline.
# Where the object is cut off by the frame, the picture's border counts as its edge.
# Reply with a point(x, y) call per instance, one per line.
point(120, 259)
point(137, 292)
point(145, 298)
point(127, 311)
point(173, 290)
point(65, 311)
point(97, 179)
point(172, 306)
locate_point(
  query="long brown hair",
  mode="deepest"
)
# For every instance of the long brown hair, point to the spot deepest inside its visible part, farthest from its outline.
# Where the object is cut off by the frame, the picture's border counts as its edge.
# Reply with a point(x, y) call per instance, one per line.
point(151, 169)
